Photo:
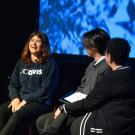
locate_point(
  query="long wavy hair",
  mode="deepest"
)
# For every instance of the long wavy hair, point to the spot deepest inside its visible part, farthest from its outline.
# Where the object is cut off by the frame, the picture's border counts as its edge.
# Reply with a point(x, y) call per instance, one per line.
point(43, 55)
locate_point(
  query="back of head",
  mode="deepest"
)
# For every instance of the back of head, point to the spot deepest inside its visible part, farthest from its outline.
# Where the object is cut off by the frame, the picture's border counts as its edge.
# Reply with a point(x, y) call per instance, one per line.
point(96, 38)
point(119, 50)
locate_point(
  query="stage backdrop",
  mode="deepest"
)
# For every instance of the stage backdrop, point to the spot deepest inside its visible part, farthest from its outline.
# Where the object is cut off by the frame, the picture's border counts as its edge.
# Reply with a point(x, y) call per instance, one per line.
point(65, 21)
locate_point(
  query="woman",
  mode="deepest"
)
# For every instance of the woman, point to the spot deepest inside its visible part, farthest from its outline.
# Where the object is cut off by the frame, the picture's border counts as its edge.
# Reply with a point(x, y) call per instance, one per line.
point(31, 85)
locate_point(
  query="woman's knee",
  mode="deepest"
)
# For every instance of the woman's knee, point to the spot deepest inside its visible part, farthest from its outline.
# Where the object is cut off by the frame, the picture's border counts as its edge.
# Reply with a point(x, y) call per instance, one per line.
point(17, 116)
point(14, 117)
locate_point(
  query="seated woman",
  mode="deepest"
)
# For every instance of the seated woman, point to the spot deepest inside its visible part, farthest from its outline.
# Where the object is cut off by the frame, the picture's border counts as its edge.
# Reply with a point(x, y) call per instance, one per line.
point(31, 87)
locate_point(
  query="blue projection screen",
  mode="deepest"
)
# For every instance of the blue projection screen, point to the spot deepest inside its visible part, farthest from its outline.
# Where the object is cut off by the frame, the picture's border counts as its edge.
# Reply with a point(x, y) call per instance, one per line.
point(65, 21)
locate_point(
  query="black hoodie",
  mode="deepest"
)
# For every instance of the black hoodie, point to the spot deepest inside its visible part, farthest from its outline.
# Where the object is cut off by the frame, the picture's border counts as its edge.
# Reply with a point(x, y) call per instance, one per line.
point(34, 82)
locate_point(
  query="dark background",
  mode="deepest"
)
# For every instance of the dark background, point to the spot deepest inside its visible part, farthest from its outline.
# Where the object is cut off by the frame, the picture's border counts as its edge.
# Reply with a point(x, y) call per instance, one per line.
point(18, 19)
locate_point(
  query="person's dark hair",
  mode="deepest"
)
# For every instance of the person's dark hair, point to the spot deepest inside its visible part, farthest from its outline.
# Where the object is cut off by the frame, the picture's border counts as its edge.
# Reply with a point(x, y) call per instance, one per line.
point(119, 50)
point(96, 38)
point(44, 53)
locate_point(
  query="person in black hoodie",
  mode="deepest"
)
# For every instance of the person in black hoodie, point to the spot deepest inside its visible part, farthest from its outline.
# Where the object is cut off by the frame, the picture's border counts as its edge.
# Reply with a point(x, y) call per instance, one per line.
point(110, 107)
point(31, 87)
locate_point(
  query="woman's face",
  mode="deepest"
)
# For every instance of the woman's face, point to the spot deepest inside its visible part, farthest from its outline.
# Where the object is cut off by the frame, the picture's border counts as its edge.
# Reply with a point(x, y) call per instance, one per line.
point(35, 45)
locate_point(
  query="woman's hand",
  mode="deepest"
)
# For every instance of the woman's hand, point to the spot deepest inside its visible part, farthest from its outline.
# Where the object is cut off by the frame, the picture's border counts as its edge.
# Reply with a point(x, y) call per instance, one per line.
point(14, 104)
point(21, 104)
point(57, 113)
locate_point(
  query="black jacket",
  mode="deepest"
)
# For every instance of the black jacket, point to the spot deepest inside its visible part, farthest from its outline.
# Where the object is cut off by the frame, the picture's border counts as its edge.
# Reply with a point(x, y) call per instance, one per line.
point(112, 103)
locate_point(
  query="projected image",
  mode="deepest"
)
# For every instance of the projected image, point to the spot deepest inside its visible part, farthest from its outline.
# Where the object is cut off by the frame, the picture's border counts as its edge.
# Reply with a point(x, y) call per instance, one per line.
point(65, 21)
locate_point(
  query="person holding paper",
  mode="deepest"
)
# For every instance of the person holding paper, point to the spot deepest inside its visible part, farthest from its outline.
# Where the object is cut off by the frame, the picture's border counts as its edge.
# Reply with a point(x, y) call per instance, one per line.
point(111, 103)
point(94, 42)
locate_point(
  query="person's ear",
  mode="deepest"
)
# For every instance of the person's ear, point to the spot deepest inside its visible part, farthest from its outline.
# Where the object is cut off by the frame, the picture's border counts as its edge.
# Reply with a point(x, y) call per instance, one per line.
point(108, 58)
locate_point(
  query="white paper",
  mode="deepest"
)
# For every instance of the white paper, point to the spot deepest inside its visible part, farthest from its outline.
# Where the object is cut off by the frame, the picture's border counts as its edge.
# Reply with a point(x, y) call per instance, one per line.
point(75, 97)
